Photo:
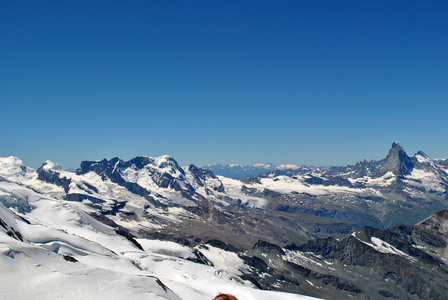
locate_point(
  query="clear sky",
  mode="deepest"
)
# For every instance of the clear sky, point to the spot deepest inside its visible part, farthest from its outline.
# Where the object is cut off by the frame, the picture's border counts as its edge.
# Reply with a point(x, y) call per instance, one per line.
point(304, 82)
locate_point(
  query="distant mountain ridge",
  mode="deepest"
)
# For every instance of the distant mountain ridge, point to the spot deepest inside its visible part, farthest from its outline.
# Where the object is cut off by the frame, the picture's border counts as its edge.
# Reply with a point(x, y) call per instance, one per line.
point(237, 171)
point(397, 162)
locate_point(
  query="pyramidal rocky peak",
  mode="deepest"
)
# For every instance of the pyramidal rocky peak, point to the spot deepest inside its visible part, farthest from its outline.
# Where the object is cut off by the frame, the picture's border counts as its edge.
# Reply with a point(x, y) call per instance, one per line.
point(397, 161)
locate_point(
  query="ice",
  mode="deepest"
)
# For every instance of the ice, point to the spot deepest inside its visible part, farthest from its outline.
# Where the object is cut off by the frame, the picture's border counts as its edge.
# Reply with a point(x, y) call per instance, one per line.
point(108, 265)
point(282, 184)
point(224, 260)
point(49, 165)
point(425, 179)
point(233, 189)
point(383, 181)
point(30, 272)
point(384, 247)
point(421, 159)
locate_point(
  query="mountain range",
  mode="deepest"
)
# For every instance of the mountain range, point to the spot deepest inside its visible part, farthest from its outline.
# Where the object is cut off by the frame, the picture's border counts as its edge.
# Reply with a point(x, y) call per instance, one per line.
point(237, 171)
point(325, 232)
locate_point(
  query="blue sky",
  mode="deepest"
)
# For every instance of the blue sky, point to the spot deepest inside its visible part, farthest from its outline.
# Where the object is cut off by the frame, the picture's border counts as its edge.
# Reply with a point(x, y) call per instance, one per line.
point(305, 82)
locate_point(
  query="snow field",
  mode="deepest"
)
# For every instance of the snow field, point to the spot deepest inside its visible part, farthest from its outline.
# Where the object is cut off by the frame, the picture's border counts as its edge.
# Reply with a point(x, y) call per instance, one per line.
point(109, 266)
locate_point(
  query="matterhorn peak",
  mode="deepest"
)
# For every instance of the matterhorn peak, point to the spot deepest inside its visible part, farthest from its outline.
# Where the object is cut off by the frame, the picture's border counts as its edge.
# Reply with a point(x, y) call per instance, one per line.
point(397, 145)
point(397, 161)
point(396, 150)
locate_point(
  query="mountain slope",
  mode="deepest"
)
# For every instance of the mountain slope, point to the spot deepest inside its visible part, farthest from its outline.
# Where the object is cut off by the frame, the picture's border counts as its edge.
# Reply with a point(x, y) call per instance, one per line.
point(404, 263)
point(53, 249)
point(52, 242)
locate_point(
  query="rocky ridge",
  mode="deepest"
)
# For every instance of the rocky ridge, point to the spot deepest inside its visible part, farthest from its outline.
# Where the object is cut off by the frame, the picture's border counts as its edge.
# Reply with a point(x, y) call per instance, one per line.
point(406, 262)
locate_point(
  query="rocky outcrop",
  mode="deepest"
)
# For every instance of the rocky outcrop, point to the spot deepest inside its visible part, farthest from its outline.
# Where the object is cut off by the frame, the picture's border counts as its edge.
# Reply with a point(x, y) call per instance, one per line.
point(49, 175)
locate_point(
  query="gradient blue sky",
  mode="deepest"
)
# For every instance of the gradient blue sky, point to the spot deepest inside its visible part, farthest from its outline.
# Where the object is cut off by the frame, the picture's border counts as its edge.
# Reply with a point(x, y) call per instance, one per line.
point(304, 82)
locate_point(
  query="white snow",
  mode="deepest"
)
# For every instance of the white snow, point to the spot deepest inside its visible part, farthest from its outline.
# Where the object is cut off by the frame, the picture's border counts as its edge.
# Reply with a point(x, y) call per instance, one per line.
point(289, 167)
point(423, 160)
point(425, 179)
point(300, 258)
point(31, 272)
point(224, 260)
point(233, 187)
point(109, 266)
point(282, 184)
point(265, 166)
point(12, 168)
point(383, 181)
point(384, 247)
point(49, 165)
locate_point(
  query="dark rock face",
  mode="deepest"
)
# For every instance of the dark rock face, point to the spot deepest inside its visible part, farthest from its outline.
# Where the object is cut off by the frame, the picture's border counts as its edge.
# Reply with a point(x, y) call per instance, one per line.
point(430, 233)
point(201, 175)
point(70, 258)
point(53, 177)
point(264, 246)
point(442, 163)
point(200, 258)
point(367, 264)
point(10, 231)
point(80, 197)
point(326, 279)
point(222, 245)
point(255, 262)
point(102, 168)
point(285, 275)
point(328, 181)
point(250, 179)
point(396, 161)
point(388, 255)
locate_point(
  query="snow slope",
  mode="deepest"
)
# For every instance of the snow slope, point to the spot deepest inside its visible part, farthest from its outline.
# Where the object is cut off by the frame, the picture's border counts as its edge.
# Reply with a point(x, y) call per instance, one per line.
point(52, 249)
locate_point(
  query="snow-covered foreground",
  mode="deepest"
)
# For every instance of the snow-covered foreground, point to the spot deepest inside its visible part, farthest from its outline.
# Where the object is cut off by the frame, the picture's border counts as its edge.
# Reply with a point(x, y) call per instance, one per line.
point(52, 249)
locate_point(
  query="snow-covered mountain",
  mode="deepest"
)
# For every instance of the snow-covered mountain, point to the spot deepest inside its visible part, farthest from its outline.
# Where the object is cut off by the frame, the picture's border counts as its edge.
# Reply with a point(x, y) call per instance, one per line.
point(148, 196)
point(397, 189)
point(237, 171)
point(147, 210)
point(52, 249)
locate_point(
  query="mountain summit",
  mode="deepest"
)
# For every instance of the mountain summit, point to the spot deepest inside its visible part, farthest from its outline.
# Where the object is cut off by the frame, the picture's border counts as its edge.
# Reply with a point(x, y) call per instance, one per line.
point(396, 161)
